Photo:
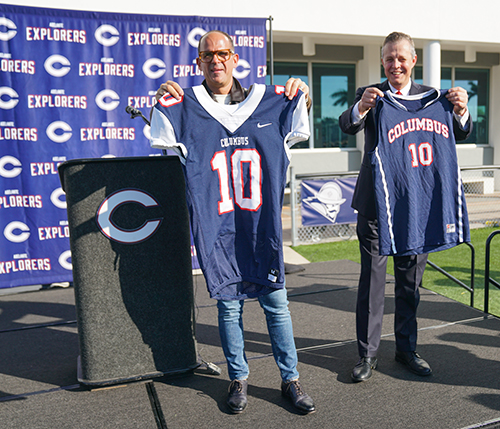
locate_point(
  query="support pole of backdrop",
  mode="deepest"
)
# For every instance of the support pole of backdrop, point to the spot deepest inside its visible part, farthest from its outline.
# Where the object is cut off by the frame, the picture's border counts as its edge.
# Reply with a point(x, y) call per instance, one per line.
point(271, 50)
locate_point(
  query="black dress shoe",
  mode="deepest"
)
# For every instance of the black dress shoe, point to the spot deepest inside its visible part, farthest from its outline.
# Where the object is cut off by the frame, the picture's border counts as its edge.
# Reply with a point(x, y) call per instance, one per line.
point(363, 369)
point(237, 397)
point(414, 362)
point(300, 399)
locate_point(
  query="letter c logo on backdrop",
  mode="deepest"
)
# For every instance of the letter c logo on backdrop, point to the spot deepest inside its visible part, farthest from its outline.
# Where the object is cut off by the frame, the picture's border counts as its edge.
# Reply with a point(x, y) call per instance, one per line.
point(114, 232)
point(147, 68)
point(100, 100)
point(12, 172)
point(63, 70)
point(9, 234)
point(147, 132)
point(242, 74)
point(9, 92)
point(56, 126)
point(64, 260)
point(5, 22)
point(107, 41)
point(192, 38)
point(55, 198)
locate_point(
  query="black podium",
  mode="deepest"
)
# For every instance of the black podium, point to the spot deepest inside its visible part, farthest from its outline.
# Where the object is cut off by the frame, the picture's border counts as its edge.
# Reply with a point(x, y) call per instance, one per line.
point(131, 256)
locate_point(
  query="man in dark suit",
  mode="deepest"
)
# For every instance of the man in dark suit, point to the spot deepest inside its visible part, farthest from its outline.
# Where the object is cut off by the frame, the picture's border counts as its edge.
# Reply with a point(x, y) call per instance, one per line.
point(398, 59)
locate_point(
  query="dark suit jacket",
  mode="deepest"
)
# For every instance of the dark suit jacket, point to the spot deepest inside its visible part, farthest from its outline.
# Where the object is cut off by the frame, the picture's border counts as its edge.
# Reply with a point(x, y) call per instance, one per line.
point(364, 196)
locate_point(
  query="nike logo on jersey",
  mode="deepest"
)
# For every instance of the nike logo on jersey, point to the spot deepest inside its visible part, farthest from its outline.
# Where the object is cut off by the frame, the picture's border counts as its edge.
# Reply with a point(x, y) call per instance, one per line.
point(259, 125)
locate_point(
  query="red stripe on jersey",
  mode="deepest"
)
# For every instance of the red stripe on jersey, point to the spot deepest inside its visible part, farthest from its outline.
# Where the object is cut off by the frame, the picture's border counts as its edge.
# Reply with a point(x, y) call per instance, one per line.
point(279, 89)
point(167, 100)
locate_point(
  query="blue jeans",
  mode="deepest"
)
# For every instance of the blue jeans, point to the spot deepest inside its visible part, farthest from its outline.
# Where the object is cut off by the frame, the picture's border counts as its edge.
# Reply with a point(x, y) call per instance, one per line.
point(279, 326)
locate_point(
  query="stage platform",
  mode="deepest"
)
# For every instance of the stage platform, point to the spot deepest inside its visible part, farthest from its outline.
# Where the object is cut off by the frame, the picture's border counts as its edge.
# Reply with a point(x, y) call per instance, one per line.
point(39, 350)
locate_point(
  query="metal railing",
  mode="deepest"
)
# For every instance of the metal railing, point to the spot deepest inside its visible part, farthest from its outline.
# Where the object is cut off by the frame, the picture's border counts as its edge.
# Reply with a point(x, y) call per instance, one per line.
point(459, 282)
point(487, 279)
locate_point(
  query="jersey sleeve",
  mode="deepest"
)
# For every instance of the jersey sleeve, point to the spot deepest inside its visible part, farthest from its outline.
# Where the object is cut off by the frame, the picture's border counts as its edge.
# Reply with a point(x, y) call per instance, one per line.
point(163, 134)
point(300, 123)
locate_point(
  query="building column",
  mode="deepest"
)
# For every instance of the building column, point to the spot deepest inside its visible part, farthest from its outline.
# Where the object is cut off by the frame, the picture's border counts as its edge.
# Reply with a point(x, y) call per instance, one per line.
point(369, 67)
point(432, 64)
point(367, 72)
point(308, 47)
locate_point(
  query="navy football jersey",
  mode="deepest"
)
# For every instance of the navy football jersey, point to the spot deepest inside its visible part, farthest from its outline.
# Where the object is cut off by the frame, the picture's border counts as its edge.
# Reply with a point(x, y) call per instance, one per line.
point(418, 187)
point(235, 159)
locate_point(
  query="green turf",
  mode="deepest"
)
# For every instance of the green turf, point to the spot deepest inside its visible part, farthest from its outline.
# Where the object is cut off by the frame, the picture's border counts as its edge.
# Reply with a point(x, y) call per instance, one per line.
point(456, 261)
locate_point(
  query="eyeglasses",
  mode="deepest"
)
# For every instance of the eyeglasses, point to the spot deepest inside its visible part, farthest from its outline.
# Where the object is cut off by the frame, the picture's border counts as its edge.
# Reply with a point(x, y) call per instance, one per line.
point(208, 56)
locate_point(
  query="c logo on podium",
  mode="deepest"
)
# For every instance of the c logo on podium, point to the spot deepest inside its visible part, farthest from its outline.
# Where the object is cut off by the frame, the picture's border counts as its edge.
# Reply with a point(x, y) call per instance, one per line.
point(121, 235)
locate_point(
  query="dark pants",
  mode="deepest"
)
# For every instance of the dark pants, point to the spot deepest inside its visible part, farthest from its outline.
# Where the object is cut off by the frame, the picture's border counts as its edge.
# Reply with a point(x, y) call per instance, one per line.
point(408, 271)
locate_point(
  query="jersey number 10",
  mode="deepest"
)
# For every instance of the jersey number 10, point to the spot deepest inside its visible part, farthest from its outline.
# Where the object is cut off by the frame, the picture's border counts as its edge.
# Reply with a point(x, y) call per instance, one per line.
point(246, 177)
point(422, 154)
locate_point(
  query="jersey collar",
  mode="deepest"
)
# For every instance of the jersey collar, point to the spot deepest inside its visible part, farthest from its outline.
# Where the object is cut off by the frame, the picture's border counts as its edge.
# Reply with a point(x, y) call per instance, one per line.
point(237, 93)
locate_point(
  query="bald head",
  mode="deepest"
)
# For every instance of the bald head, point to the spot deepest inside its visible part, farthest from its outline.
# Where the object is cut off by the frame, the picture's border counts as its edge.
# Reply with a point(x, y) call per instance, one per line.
point(209, 34)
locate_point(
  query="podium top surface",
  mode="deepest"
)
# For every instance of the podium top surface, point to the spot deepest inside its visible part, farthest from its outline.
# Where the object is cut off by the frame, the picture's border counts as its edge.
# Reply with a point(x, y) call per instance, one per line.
point(109, 161)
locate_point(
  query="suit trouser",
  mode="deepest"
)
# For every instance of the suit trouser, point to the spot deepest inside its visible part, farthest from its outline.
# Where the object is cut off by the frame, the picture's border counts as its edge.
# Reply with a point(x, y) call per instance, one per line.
point(408, 271)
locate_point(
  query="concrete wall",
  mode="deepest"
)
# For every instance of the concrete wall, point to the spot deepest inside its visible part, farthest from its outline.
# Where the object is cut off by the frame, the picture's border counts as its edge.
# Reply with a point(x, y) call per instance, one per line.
point(307, 161)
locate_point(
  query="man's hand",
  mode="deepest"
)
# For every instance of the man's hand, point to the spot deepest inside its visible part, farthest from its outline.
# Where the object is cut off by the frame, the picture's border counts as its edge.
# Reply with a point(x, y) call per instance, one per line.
point(292, 85)
point(172, 88)
point(369, 99)
point(459, 98)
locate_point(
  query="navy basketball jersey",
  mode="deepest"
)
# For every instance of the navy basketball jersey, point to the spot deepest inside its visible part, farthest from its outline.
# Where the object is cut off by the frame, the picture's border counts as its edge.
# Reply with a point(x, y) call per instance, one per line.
point(235, 159)
point(418, 188)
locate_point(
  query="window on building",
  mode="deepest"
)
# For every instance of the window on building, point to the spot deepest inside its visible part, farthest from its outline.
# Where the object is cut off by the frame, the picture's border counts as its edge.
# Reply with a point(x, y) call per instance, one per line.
point(334, 87)
point(446, 76)
point(476, 83)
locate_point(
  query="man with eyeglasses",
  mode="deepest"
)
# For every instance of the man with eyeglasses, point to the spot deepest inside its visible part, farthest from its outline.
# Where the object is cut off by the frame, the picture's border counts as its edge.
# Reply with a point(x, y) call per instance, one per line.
point(233, 144)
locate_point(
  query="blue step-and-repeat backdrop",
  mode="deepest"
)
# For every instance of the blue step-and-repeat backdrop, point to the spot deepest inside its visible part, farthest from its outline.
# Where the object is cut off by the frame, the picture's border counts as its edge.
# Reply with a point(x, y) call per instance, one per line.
point(65, 80)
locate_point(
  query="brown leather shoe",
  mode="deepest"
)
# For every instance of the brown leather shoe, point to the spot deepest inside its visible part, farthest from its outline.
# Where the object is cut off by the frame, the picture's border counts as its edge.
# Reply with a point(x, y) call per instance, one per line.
point(237, 396)
point(300, 399)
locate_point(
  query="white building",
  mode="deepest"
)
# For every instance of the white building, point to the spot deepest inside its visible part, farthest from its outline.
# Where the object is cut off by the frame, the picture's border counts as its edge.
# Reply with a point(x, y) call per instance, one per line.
point(335, 47)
